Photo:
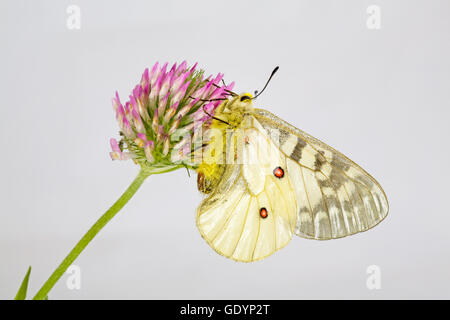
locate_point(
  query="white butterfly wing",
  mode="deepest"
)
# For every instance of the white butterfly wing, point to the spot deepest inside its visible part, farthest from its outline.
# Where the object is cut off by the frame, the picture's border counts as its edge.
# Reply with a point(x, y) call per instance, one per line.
point(230, 220)
point(335, 196)
point(322, 194)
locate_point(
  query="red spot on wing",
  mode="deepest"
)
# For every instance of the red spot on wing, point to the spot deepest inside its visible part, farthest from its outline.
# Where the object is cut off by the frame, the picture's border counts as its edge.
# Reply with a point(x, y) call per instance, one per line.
point(263, 213)
point(278, 172)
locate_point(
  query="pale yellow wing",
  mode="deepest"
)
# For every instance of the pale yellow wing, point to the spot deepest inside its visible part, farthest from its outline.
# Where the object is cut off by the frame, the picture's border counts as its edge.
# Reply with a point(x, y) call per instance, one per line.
point(335, 196)
point(251, 214)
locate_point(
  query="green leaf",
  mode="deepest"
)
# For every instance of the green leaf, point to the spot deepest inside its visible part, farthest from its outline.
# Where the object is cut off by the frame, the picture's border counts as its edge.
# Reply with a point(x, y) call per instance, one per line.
point(22, 293)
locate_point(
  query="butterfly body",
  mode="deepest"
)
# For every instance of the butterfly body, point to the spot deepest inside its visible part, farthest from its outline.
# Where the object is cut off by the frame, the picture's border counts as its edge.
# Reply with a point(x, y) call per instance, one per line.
point(231, 114)
point(267, 180)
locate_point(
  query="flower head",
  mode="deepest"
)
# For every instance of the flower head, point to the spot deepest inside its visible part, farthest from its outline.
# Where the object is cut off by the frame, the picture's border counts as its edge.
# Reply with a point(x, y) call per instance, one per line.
point(165, 112)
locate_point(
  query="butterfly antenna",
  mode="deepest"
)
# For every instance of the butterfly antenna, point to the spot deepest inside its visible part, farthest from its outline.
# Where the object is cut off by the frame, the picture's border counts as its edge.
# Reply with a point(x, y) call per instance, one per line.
point(273, 72)
point(208, 100)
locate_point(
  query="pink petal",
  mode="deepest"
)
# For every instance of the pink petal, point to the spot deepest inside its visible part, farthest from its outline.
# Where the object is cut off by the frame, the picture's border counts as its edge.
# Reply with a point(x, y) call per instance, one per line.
point(148, 149)
point(155, 121)
point(154, 74)
point(155, 90)
point(216, 94)
point(181, 67)
point(174, 126)
point(218, 78)
point(145, 78)
point(138, 121)
point(178, 82)
point(166, 84)
point(116, 101)
point(114, 145)
point(170, 112)
point(230, 86)
point(166, 145)
point(116, 153)
point(174, 67)
point(193, 67)
point(180, 94)
point(163, 103)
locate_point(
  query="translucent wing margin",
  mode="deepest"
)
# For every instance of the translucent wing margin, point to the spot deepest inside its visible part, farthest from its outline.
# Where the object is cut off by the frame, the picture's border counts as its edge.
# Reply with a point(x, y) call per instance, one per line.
point(335, 196)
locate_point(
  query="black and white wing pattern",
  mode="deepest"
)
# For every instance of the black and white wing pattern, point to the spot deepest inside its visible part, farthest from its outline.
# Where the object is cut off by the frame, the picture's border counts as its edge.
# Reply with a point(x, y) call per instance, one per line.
point(335, 197)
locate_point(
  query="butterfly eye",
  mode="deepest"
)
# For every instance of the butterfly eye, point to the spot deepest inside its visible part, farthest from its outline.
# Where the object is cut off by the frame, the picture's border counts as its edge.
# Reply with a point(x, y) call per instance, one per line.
point(243, 98)
point(278, 172)
point(263, 213)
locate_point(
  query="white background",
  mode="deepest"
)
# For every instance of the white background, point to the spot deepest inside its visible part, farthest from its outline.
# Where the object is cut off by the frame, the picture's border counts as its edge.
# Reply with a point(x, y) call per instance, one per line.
point(379, 96)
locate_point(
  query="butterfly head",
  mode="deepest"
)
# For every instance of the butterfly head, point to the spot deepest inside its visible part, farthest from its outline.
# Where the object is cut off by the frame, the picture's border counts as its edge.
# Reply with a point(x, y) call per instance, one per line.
point(241, 102)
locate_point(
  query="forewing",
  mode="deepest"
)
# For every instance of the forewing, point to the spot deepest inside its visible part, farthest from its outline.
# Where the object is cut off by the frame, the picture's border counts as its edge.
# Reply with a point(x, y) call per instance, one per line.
point(335, 196)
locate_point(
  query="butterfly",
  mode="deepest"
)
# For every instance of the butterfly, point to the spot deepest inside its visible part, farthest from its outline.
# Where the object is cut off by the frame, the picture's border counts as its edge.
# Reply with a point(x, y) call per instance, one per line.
point(265, 181)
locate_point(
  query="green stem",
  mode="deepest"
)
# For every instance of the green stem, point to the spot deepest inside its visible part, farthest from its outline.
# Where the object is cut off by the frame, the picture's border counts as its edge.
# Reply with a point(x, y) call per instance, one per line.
point(92, 232)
